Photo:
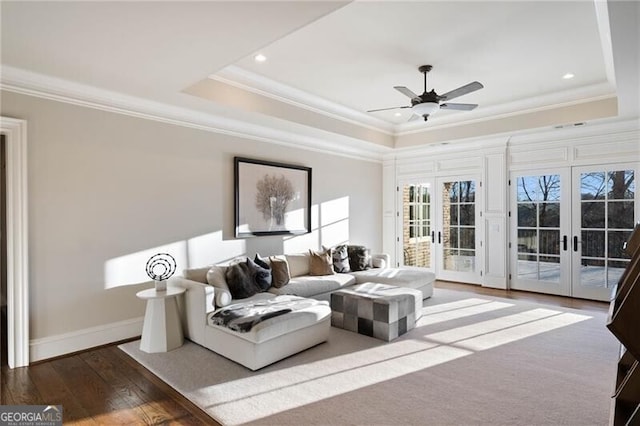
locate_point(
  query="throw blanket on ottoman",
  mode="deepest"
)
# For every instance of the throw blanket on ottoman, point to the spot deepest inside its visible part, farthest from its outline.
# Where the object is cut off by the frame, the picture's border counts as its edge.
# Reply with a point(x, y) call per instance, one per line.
point(241, 317)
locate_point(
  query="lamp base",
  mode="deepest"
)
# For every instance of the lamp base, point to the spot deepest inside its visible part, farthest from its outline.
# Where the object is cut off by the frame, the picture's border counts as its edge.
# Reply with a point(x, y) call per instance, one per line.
point(161, 285)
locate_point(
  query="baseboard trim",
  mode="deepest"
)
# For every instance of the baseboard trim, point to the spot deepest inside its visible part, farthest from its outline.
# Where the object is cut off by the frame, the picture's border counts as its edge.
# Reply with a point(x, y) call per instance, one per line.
point(66, 343)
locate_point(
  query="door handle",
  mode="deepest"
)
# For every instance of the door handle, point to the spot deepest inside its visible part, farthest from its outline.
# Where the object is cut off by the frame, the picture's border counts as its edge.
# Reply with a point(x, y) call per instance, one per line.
point(433, 236)
point(564, 243)
point(439, 237)
point(575, 243)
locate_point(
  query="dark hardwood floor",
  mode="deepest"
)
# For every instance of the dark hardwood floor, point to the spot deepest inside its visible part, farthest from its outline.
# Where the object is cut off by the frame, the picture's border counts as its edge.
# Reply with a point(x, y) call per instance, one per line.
point(104, 386)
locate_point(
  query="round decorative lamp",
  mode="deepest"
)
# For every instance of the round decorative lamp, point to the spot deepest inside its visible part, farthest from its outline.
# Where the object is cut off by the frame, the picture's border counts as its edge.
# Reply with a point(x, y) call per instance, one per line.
point(160, 267)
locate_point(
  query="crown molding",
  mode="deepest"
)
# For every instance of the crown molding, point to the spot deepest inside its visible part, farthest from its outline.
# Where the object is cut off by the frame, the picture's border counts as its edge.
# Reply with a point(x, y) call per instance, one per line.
point(479, 143)
point(611, 127)
point(255, 83)
point(52, 88)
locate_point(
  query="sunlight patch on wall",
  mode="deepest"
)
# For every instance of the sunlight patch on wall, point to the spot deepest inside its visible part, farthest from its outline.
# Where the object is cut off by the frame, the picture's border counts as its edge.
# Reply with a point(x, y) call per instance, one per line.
point(212, 248)
point(130, 269)
point(334, 211)
point(329, 227)
point(334, 234)
point(302, 243)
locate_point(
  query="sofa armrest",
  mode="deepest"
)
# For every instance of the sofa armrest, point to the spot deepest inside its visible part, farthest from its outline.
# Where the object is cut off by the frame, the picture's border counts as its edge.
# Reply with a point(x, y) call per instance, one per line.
point(198, 302)
point(380, 260)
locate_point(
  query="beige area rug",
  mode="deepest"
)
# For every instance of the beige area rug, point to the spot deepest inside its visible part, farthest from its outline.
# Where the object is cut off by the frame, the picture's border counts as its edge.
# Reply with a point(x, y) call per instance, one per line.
point(472, 360)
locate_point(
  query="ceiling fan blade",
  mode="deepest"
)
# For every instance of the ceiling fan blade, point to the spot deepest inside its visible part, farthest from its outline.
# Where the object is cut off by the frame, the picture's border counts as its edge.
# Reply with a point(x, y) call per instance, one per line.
point(461, 107)
point(386, 109)
point(467, 88)
point(407, 92)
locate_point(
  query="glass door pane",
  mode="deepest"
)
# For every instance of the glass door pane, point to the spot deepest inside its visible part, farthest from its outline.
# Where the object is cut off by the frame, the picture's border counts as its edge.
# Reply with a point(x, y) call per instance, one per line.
point(605, 200)
point(458, 231)
point(417, 225)
point(457, 236)
point(539, 231)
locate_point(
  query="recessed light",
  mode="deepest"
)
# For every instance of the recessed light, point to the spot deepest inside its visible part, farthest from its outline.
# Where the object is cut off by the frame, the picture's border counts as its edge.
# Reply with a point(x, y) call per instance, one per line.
point(397, 114)
point(568, 76)
point(260, 57)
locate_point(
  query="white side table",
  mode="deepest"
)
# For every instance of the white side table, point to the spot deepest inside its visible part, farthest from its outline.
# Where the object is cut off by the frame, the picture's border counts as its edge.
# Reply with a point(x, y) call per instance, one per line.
point(162, 329)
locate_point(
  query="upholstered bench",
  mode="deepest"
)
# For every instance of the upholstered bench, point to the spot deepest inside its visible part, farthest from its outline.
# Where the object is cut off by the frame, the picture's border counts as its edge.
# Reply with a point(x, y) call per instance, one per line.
point(377, 310)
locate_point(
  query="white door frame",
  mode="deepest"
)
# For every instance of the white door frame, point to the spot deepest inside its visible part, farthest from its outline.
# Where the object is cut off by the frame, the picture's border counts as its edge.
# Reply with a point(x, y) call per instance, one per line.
point(15, 132)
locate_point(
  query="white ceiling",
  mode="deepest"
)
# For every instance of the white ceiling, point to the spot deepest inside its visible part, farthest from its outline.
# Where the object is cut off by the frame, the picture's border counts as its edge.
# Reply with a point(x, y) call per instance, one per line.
point(334, 58)
point(519, 50)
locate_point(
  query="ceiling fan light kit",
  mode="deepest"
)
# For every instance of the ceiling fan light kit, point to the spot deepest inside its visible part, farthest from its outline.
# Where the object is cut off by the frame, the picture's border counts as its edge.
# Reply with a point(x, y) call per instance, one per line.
point(429, 102)
point(425, 108)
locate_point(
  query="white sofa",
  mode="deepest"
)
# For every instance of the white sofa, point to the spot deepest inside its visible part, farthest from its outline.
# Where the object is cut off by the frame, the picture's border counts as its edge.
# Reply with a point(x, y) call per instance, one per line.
point(279, 337)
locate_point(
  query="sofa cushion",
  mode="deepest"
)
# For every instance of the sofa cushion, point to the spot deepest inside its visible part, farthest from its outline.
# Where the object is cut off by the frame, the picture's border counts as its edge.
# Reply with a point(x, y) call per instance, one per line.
point(403, 277)
point(298, 264)
point(240, 280)
point(197, 274)
point(309, 286)
point(378, 262)
point(359, 258)
point(216, 278)
point(320, 263)
point(312, 313)
point(340, 257)
point(279, 272)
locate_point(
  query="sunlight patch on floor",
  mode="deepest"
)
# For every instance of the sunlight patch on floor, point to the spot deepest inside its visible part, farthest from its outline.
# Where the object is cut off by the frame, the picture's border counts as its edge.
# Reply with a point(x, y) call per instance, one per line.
point(265, 393)
point(294, 392)
point(519, 332)
point(484, 327)
point(462, 313)
point(443, 307)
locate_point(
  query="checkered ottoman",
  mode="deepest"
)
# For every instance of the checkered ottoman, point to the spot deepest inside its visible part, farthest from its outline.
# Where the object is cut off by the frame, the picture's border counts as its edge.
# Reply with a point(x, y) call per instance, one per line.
point(377, 310)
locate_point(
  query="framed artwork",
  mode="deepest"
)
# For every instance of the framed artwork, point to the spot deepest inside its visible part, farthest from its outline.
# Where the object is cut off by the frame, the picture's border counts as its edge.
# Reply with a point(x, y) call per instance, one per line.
point(271, 198)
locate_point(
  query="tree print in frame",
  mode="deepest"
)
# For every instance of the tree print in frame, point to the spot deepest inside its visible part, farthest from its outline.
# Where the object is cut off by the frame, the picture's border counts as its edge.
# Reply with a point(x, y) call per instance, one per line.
point(271, 198)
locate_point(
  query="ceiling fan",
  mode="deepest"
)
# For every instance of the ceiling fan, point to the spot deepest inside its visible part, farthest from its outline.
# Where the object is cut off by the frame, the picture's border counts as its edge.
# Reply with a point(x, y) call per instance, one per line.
point(426, 104)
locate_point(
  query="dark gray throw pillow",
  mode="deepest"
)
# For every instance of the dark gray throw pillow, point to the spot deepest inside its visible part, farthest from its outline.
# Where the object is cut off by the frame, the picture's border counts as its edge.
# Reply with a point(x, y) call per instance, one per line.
point(240, 280)
point(261, 262)
point(341, 259)
point(359, 258)
point(261, 276)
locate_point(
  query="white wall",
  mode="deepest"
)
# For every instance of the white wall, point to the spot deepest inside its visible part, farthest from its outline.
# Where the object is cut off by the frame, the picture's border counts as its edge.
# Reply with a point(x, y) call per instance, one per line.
point(105, 186)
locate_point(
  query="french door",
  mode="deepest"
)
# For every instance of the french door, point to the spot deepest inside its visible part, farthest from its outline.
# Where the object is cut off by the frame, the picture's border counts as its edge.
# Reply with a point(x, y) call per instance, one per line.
point(605, 208)
point(439, 227)
point(568, 227)
point(540, 229)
